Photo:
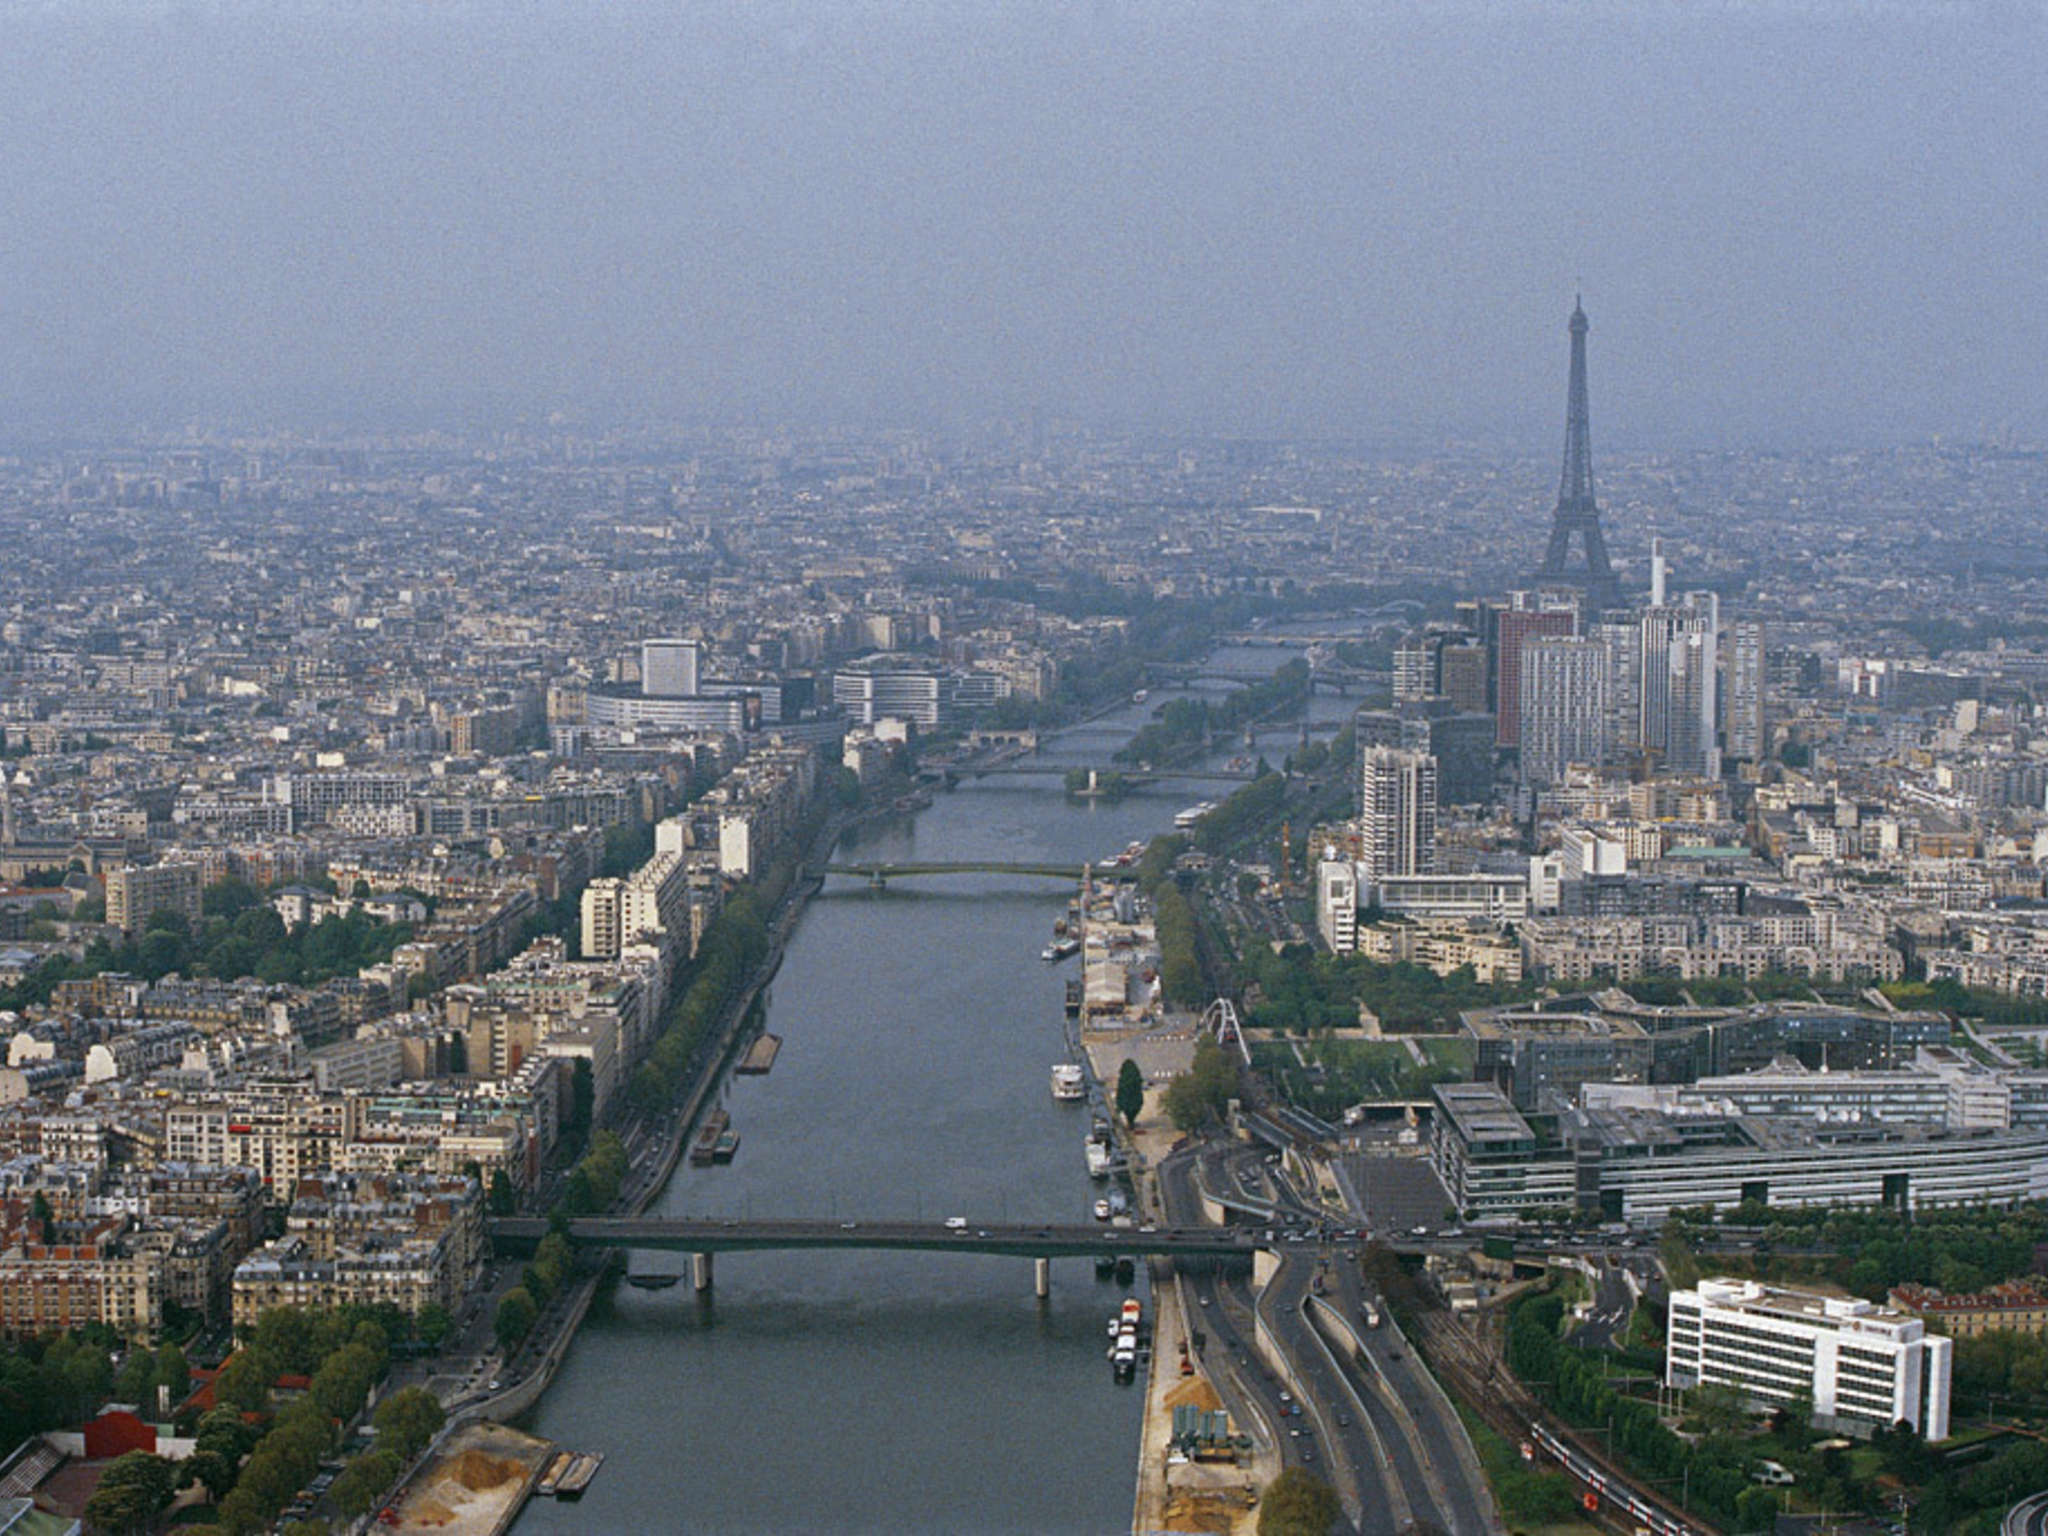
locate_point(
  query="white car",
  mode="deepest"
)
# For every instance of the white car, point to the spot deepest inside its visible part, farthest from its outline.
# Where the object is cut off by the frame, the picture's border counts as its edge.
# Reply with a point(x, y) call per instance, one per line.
point(956, 1223)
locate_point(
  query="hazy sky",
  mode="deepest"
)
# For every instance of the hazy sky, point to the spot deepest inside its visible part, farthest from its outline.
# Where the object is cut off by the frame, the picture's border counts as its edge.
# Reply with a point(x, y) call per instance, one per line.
point(1793, 223)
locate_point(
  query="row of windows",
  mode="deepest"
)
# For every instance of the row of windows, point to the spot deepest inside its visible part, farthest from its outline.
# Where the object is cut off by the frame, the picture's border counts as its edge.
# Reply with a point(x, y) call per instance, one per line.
point(1748, 1367)
point(1775, 1349)
point(1756, 1385)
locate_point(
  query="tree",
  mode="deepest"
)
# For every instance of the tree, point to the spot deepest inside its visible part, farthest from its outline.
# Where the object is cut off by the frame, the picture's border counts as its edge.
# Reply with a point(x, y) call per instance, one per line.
point(173, 1373)
point(1201, 1094)
point(1297, 1503)
point(1130, 1091)
point(131, 1493)
point(210, 1467)
point(504, 1200)
point(1720, 1409)
point(1756, 1509)
point(364, 1480)
point(137, 1381)
point(407, 1420)
point(433, 1326)
point(515, 1318)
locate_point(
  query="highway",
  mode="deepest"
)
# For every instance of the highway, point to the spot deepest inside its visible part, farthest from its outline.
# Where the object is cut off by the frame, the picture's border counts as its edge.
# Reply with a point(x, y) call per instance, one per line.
point(2029, 1517)
point(1406, 1392)
point(1376, 1425)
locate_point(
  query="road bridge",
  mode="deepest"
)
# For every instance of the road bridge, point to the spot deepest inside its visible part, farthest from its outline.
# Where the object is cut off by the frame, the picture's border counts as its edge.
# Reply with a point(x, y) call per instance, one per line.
point(701, 1237)
point(882, 874)
point(1128, 775)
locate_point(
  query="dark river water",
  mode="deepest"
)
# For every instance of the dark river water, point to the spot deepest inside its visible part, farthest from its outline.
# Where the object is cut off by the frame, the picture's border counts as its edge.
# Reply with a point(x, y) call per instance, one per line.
point(879, 1391)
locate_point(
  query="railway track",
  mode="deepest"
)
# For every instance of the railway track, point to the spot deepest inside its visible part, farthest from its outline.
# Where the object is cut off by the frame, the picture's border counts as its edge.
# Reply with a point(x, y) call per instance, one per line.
point(1492, 1392)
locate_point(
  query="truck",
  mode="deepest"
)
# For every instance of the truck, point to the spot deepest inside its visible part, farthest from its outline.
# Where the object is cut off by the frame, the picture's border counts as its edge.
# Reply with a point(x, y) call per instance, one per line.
point(1369, 1310)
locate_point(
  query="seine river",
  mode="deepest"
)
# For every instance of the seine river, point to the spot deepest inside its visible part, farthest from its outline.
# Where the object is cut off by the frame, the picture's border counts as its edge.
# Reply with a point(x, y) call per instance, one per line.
point(891, 1392)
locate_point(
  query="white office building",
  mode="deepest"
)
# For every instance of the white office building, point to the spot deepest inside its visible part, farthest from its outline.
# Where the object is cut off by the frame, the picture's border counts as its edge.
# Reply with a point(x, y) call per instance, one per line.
point(1863, 1366)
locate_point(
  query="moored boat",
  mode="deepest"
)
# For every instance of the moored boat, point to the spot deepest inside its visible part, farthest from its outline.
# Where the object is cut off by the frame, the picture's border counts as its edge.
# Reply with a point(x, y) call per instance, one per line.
point(705, 1145)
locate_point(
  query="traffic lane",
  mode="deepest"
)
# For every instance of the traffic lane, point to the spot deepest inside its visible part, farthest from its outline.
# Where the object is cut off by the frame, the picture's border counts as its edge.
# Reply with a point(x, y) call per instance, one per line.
point(1395, 1370)
point(1405, 1460)
point(1230, 1358)
point(1607, 1318)
point(1439, 1428)
point(1356, 1448)
point(2029, 1517)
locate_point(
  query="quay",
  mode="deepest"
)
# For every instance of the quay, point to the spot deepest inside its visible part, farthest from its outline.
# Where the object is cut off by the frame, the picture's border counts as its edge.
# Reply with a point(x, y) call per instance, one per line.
point(475, 1485)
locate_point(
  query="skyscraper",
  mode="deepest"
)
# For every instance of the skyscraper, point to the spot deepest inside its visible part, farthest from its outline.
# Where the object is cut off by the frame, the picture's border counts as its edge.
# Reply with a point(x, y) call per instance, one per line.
point(1397, 814)
point(1564, 717)
point(1745, 733)
point(1680, 647)
point(1514, 628)
point(1577, 512)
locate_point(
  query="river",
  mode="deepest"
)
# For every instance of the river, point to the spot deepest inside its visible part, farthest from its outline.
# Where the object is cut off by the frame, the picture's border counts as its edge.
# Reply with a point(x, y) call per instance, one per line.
point(887, 1391)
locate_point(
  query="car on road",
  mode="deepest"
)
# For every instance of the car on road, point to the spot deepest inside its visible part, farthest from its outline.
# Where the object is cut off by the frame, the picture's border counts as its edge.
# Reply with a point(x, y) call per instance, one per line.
point(956, 1223)
point(849, 1226)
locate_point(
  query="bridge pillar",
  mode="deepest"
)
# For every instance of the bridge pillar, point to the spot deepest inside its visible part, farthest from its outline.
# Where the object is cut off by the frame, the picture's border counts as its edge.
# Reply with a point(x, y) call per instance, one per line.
point(700, 1271)
point(1041, 1277)
point(877, 880)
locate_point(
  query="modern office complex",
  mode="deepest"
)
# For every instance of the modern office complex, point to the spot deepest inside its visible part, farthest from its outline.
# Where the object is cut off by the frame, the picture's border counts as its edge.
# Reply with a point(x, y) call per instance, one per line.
point(1639, 1163)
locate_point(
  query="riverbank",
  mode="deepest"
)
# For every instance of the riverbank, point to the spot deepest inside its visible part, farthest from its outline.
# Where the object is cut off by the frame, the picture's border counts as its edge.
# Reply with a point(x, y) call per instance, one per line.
point(1207, 1497)
point(647, 1182)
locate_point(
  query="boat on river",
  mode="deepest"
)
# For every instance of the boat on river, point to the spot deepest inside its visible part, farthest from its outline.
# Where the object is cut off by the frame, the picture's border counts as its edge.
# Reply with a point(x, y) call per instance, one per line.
point(577, 1478)
point(1101, 1155)
point(1060, 949)
point(1068, 1082)
point(704, 1147)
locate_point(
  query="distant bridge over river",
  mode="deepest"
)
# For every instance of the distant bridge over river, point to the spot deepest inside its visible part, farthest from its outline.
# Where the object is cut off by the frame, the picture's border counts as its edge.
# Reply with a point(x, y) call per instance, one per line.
point(1128, 775)
point(882, 874)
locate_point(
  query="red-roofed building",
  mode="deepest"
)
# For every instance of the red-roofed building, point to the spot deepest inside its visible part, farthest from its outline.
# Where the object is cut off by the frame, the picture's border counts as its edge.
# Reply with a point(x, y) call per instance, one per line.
point(117, 1432)
point(2017, 1306)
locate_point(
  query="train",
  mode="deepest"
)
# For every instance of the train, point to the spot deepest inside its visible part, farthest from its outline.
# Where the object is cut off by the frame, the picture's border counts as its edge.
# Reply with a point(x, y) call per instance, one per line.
point(1601, 1486)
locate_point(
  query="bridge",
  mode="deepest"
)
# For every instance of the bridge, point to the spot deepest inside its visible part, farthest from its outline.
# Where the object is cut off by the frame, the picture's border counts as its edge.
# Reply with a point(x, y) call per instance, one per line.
point(882, 874)
point(1128, 775)
point(701, 1237)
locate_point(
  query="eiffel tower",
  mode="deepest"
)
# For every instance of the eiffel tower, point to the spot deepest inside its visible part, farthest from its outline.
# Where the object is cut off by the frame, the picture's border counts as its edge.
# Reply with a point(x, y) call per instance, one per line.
point(1576, 509)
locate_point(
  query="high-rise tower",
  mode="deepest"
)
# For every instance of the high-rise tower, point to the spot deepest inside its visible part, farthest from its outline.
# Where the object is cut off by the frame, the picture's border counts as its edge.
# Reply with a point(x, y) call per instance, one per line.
point(1397, 814)
point(1576, 510)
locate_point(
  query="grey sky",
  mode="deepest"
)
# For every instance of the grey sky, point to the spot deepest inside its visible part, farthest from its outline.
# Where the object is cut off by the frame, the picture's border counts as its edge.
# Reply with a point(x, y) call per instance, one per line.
point(1793, 224)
